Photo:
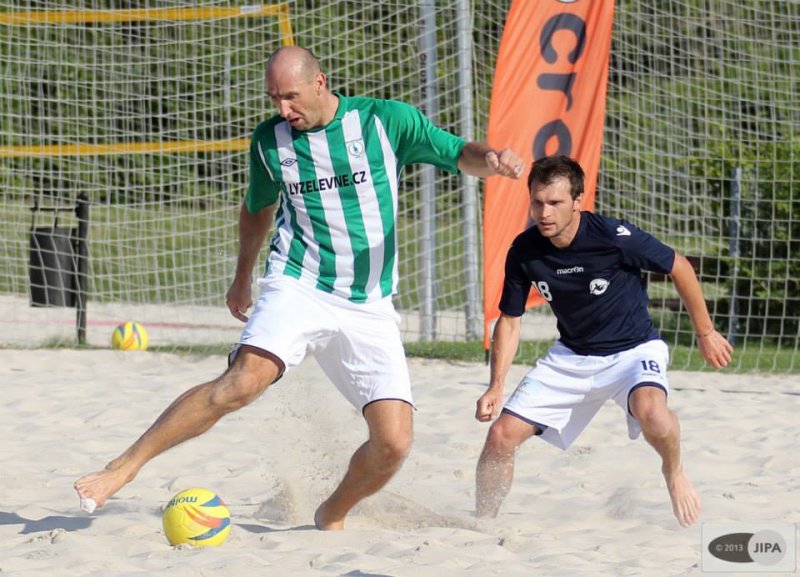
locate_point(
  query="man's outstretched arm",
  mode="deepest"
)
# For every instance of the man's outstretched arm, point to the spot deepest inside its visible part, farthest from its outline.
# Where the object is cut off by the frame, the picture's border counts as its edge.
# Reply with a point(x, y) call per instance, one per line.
point(715, 348)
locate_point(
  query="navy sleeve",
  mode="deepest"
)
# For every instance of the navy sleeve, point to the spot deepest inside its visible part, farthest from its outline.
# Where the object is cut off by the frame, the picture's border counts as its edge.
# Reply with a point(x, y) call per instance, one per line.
point(516, 286)
point(642, 250)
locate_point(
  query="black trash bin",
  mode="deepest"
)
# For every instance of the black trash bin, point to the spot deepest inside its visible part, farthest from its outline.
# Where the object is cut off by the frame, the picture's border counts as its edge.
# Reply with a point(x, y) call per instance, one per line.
point(53, 267)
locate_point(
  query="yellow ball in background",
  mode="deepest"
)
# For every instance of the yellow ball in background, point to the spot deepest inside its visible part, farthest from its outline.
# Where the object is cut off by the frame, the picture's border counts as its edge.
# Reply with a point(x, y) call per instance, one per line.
point(129, 336)
point(197, 516)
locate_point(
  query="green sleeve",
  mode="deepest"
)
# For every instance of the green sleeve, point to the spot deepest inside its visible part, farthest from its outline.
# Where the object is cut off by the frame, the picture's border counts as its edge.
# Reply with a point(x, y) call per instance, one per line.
point(417, 139)
point(263, 190)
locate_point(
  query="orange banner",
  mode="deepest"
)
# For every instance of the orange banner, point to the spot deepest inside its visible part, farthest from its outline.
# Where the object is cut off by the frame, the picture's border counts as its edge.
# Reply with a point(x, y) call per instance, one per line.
point(548, 97)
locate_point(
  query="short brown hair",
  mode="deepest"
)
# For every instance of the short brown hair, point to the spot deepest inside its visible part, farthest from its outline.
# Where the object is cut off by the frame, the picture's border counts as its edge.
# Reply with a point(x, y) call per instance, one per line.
point(548, 168)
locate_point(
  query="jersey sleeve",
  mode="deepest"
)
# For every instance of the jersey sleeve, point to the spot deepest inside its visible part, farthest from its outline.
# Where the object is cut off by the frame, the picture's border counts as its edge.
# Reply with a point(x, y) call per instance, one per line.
point(417, 139)
point(642, 250)
point(516, 285)
point(263, 190)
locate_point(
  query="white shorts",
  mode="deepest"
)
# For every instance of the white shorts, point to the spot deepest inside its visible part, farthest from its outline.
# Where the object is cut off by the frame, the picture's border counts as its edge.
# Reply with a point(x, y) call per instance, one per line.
point(565, 390)
point(358, 345)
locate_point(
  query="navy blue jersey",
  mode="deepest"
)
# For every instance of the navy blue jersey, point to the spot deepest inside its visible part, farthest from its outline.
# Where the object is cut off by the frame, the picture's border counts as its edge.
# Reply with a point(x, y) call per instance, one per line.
point(594, 286)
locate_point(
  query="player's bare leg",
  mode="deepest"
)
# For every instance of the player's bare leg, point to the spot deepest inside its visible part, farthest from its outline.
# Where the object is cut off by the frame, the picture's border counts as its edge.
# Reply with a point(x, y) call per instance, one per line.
point(373, 464)
point(662, 430)
point(190, 415)
point(495, 471)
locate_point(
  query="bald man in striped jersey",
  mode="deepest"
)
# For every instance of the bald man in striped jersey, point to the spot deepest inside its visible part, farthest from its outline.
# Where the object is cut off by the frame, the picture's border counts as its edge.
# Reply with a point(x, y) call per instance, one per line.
point(324, 171)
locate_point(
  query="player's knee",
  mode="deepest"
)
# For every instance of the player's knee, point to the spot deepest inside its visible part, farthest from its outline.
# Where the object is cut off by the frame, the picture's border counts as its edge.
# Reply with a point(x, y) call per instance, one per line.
point(394, 451)
point(649, 406)
point(234, 390)
point(656, 421)
point(501, 439)
point(400, 448)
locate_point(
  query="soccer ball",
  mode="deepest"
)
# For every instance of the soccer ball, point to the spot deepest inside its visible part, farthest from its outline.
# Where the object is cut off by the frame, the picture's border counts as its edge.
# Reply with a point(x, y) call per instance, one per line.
point(129, 336)
point(198, 517)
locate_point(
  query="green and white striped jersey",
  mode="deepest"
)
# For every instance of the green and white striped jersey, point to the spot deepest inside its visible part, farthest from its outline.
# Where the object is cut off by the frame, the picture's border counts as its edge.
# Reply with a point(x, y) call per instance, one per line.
point(338, 186)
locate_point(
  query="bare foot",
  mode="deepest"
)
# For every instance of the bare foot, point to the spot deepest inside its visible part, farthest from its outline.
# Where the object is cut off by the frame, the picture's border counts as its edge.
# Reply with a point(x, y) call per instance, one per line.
point(95, 489)
point(685, 501)
point(324, 523)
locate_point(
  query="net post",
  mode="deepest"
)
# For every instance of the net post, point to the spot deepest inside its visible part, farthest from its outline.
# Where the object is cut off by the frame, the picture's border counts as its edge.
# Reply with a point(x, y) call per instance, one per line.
point(430, 105)
point(469, 183)
point(733, 250)
point(82, 264)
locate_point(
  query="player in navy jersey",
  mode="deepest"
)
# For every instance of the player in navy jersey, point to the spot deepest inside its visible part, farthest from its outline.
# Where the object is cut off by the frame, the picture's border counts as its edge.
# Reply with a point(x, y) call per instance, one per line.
point(589, 270)
point(325, 171)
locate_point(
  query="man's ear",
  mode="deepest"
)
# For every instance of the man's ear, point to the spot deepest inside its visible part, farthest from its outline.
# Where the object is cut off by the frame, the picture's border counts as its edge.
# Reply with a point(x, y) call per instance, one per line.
point(321, 81)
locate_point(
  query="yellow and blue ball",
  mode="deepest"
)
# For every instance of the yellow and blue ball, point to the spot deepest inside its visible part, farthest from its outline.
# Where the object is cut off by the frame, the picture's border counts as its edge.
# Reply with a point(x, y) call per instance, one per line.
point(129, 336)
point(196, 516)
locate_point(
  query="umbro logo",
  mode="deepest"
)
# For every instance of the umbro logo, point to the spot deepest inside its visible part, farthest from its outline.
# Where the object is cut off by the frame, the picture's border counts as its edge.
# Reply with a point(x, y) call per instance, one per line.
point(288, 162)
point(622, 231)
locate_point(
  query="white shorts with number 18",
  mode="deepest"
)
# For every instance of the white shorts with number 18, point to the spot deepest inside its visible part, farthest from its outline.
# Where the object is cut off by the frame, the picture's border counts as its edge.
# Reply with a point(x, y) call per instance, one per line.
point(564, 391)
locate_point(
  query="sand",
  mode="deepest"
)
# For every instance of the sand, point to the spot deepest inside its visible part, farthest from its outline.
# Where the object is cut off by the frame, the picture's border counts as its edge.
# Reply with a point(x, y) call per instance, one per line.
point(600, 508)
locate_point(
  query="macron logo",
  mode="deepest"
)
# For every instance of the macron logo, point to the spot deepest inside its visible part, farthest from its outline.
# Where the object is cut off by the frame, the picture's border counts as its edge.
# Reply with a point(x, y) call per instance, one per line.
point(622, 231)
point(572, 270)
